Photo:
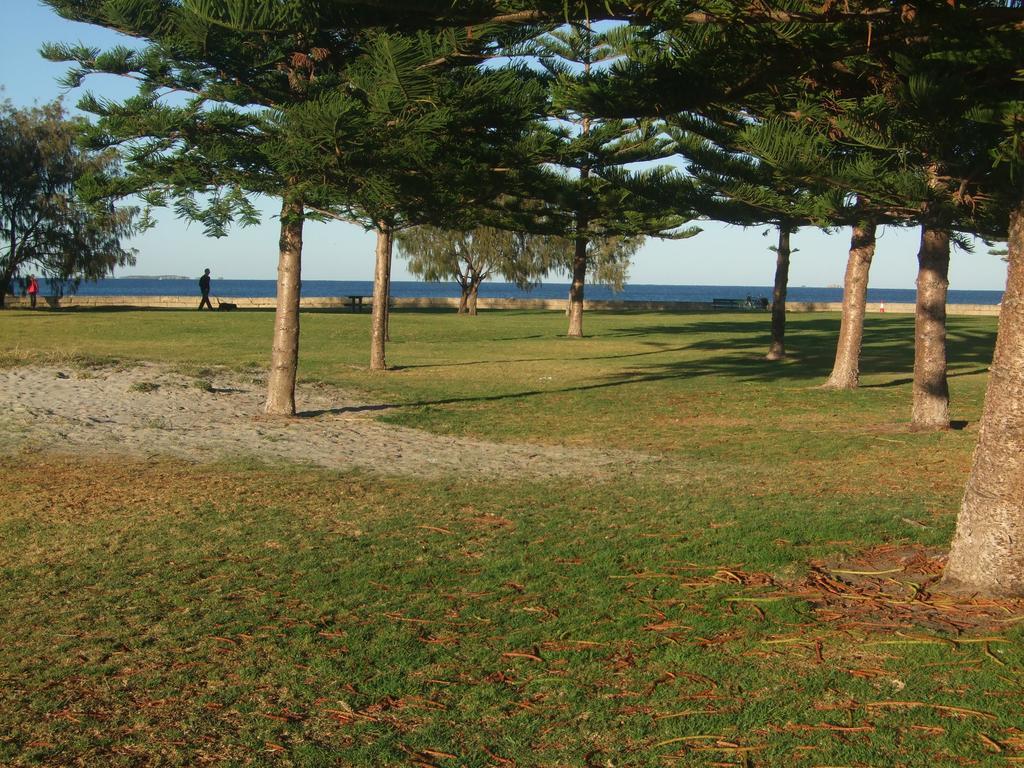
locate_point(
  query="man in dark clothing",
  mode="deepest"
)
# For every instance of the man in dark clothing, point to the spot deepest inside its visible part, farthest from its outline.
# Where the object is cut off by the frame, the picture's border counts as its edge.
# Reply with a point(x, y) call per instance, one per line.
point(204, 286)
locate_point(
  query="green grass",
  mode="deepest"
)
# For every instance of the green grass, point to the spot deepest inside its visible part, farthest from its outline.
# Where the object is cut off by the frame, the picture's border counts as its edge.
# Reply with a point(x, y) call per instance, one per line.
point(156, 613)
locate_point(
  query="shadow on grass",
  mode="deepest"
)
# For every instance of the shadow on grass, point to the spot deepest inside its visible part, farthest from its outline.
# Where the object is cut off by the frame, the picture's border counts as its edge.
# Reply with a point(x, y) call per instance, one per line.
point(659, 351)
point(888, 348)
point(811, 343)
point(731, 346)
point(904, 381)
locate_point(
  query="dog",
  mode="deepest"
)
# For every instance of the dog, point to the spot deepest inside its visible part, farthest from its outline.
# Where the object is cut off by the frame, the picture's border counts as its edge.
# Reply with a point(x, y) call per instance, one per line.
point(225, 306)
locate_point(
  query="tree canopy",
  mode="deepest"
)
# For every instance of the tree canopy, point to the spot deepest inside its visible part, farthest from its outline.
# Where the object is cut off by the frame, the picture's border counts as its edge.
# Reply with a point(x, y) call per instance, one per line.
point(795, 113)
point(51, 219)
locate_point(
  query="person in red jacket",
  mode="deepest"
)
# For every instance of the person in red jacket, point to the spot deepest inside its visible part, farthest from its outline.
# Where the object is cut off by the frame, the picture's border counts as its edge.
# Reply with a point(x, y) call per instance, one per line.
point(33, 290)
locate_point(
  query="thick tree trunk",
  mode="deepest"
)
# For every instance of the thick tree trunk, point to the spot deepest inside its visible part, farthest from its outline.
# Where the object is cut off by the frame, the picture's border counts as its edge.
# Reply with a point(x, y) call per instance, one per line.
point(381, 284)
point(387, 294)
point(987, 555)
point(5, 287)
point(579, 277)
point(5, 281)
point(931, 390)
point(777, 349)
point(463, 294)
point(846, 370)
point(284, 360)
point(474, 292)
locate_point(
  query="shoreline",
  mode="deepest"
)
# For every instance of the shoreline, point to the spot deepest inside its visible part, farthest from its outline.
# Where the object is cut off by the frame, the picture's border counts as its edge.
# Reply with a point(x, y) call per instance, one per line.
point(341, 304)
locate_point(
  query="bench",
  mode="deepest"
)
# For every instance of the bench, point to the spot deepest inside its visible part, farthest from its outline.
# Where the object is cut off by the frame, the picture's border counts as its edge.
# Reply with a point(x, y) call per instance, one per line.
point(355, 303)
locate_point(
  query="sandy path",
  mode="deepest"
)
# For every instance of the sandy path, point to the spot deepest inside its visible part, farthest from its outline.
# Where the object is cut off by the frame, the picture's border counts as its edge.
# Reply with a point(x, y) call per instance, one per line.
point(110, 409)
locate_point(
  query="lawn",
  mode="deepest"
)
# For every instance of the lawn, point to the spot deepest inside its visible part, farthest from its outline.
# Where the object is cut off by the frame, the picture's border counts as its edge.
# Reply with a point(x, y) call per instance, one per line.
point(758, 596)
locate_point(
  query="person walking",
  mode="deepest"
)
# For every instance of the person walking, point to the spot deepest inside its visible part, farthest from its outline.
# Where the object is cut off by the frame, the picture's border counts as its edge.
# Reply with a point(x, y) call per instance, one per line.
point(33, 290)
point(204, 286)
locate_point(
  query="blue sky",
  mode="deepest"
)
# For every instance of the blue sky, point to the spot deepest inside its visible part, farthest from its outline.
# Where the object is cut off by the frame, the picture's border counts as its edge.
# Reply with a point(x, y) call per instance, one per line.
point(720, 255)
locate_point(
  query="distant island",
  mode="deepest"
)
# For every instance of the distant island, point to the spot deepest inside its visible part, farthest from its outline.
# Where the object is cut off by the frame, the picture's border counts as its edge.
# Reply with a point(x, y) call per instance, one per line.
point(155, 277)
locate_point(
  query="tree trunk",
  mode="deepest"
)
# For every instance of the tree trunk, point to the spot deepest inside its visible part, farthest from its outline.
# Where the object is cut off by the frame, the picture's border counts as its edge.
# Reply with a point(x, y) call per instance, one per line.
point(387, 292)
point(579, 277)
point(5, 282)
point(931, 390)
point(381, 284)
point(846, 370)
point(474, 292)
point(5, 287)
point(284, 360)
point(777, 349)
point(463, 298)
point(987, 553)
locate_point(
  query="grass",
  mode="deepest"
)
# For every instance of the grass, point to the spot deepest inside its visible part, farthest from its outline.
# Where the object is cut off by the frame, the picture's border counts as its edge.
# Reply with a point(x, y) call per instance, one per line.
point(161, 613)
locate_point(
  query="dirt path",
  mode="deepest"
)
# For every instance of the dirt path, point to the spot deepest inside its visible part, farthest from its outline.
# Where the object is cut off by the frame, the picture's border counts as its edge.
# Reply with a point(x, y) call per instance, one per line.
point(150, 410)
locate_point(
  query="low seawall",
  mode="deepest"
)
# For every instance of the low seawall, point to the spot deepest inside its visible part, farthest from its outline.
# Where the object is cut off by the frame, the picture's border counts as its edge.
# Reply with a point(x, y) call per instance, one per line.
point(342, 304)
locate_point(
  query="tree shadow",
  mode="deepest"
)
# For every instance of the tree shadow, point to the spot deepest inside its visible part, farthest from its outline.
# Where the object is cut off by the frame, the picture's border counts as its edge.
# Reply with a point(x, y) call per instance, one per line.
point(519, 338)
point(733, 348)
point(904, 381)
point(811, 346)
point(423, 366)
point(312, 414)
point(888, 348)
point(591, 358)
point(378, 407)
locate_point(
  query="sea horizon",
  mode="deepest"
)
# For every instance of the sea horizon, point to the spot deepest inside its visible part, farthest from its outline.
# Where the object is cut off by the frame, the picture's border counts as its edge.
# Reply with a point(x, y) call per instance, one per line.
point(171, 285)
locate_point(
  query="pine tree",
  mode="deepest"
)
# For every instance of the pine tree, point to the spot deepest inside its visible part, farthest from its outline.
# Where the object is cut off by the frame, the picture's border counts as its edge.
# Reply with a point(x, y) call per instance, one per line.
point(238, 65)
point(717, 86)
point(688, 64)
point(987, 555)
point(845, 374)
point(435, 141)
point(923, 112)
point(244, 67)
point(911, 157)
point(740, 187)
point(923, 150)
point(597, 197)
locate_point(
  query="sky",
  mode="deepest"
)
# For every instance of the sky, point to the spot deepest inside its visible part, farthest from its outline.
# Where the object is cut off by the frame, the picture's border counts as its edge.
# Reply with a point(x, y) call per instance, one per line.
point(720, 255)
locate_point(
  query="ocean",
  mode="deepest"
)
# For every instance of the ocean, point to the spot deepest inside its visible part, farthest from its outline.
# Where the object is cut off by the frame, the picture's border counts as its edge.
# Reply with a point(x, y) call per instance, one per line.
point(226, 289)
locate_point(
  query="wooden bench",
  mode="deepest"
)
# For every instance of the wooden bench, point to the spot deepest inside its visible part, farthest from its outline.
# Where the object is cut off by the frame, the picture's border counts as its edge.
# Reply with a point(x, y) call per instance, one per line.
point(355, 303)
